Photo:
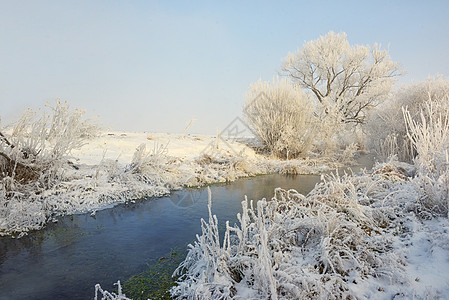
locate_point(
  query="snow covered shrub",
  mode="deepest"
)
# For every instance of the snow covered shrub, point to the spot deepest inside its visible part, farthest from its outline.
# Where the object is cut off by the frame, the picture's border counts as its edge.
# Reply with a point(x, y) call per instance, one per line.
point(36, 146)
point(73, 122)
point(281, 116)
point(222, 167)
point(155, 167)
point(386, 127)
point(34, 156)
point(430, 137)
point(293, 247)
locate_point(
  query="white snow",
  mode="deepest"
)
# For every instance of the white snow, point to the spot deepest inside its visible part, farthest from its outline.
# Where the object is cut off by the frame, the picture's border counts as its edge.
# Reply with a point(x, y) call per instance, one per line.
point(120, 146)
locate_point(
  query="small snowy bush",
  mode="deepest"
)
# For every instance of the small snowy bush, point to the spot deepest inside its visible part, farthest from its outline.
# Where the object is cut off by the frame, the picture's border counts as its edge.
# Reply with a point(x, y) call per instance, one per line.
point(415, 127)
point(36, 147)
point(430, 137)
point(281, 116)
point(387, 128)
point(34, 158)
point(294, 247)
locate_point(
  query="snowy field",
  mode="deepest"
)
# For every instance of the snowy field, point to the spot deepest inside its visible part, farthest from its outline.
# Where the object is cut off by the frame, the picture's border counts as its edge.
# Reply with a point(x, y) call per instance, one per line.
point(120, 146)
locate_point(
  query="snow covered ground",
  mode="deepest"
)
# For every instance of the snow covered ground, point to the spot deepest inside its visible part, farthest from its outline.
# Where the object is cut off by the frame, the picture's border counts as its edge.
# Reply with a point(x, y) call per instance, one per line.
point(121, 146)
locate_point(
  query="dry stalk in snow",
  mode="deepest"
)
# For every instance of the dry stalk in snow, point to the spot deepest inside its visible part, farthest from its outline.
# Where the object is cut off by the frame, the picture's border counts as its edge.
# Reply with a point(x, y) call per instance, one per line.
point(292, 247)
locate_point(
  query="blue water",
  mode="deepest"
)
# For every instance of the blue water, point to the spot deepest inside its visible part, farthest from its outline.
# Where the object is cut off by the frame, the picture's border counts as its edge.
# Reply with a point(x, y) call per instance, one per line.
point(66, 259)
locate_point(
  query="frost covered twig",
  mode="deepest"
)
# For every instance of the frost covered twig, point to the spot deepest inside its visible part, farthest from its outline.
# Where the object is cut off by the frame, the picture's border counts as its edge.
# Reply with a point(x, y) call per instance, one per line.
point(105, 295)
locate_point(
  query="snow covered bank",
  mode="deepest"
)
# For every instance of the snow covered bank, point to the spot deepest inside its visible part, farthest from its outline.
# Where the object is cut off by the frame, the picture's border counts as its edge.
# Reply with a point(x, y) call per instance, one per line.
point(116, 166)
point(352, 237)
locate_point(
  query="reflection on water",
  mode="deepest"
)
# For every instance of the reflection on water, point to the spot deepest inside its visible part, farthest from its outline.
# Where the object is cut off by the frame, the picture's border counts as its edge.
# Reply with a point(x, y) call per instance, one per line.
point(185, 198)
point(66, 259)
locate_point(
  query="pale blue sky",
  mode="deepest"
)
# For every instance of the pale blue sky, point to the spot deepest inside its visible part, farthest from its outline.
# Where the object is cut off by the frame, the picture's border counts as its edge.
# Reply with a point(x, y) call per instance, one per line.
point(152, 66)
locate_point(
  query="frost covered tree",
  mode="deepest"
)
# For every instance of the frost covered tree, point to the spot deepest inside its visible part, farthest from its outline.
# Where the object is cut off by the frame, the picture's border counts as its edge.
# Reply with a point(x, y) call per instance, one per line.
point(281, 116)
point(349, 79)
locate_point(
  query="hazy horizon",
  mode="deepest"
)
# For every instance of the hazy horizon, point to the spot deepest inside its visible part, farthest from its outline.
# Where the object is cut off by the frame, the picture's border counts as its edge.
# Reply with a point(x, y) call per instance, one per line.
point(153, 66)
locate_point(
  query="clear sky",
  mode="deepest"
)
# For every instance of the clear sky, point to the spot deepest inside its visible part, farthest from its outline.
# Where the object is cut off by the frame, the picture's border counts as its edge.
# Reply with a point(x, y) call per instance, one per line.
point(152, 66)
